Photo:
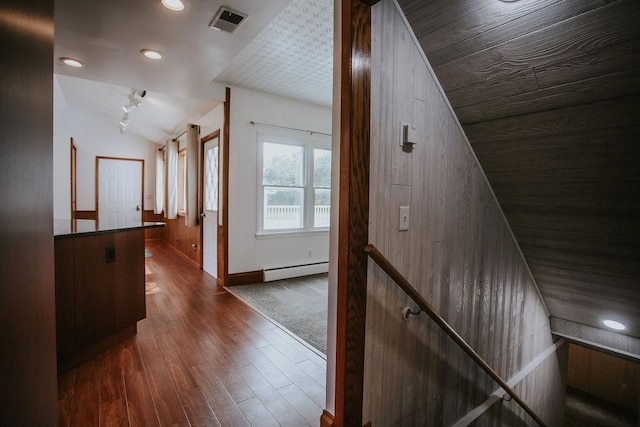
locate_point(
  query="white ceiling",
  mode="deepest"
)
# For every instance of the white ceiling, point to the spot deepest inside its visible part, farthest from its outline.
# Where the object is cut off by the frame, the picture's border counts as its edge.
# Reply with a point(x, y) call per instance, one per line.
point(292, 57)
point(158, 117)
point(284, 48)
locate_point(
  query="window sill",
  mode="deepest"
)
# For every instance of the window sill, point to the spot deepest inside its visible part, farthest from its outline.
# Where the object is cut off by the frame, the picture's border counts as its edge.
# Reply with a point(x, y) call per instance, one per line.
point(286, 234)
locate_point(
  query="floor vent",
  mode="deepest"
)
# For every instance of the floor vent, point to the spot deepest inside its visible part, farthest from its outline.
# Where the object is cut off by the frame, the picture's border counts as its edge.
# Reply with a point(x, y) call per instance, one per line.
point(227, 20)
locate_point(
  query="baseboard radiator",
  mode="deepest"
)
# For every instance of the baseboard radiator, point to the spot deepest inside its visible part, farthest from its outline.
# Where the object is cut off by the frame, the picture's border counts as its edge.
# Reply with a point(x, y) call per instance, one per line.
point(295, 271)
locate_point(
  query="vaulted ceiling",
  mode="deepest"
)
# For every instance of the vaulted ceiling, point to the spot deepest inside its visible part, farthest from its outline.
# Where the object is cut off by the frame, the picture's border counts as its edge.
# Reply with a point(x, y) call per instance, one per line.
point(548, 93)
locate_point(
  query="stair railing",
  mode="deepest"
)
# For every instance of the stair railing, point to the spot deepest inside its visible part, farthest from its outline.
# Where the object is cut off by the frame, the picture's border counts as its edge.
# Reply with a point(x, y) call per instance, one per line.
point(404, 284)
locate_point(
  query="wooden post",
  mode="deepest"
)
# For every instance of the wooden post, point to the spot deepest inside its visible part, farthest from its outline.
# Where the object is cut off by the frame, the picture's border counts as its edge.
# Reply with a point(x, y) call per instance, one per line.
point(354, 210)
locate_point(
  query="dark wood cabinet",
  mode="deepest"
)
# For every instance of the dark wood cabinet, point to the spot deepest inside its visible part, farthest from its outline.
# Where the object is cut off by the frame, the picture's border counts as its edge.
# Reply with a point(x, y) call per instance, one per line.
point(100, 292)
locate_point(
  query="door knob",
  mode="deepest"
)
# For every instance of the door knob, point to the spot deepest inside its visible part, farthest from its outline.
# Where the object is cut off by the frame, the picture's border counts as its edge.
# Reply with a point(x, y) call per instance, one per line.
point(138, 208)
point(202, 214)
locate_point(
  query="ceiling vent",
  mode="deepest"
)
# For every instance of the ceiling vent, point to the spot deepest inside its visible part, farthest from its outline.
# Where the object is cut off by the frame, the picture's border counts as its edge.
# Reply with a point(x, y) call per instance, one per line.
point(227, 20)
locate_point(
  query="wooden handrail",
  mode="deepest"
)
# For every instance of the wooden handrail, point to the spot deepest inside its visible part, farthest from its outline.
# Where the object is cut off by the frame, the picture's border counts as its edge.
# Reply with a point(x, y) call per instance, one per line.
point(404, 284)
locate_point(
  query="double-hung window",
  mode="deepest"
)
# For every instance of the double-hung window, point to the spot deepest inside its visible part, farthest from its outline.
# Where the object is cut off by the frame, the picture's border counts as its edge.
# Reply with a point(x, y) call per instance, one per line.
point(294, 184)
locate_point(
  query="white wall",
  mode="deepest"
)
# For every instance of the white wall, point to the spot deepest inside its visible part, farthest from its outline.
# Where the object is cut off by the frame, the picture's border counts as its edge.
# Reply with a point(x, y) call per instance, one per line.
point(93, 138)
point(246, 252)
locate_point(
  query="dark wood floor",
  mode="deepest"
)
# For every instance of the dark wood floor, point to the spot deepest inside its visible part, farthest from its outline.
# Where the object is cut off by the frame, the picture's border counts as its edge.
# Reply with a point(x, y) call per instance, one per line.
point(201, 358)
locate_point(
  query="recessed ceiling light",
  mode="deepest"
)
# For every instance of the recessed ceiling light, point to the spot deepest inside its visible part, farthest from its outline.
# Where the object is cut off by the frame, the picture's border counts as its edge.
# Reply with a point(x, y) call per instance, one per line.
point(614, 325)
point(175, 5)
point(151, 54)
point(71, 62)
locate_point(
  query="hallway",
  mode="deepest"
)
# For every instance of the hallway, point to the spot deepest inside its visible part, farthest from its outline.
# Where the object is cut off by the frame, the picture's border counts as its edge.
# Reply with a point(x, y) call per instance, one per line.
point(200, 358)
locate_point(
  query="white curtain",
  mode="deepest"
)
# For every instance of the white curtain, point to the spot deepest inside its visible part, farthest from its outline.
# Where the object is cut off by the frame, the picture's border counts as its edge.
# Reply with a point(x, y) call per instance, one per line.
point(159, 204)
point(193, 157)
point(171, 167)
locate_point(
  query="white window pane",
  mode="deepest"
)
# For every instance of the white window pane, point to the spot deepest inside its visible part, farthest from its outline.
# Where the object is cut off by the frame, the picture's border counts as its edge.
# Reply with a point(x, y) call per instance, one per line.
point(322, 208)
point(321, 168)
point(211, 179)
point(282, 164)
point(283, 208)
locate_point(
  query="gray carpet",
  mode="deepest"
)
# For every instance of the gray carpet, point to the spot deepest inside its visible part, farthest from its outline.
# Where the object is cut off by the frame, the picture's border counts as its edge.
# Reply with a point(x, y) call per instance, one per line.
point(298, 304)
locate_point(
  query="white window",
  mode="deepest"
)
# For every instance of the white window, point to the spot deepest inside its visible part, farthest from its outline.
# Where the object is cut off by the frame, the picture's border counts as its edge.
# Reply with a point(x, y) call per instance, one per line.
point(294, 184)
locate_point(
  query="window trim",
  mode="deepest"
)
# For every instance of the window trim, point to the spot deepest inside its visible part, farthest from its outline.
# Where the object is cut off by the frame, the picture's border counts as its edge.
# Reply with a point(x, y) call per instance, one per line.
point(308, 144)
point(182, 210)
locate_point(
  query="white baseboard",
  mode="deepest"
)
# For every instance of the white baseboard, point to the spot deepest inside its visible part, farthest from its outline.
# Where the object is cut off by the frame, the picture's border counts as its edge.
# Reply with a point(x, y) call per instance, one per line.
point(296, 271)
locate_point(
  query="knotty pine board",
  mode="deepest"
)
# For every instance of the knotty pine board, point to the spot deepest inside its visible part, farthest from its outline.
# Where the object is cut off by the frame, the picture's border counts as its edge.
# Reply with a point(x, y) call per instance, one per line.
point(459, 252)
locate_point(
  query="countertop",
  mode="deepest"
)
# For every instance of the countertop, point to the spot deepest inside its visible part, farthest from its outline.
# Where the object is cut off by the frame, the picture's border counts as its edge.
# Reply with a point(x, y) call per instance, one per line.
point(63, 228)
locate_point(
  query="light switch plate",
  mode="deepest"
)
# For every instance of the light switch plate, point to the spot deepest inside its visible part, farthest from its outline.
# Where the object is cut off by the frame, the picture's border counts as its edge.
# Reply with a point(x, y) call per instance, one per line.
point(403, 224)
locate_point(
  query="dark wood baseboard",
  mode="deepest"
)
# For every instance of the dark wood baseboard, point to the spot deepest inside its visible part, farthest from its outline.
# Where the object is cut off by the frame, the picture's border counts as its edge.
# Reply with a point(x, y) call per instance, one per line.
point(86, 215)
point(246, 278)
point(179, 252)
point(326, 419)
point(85, 354)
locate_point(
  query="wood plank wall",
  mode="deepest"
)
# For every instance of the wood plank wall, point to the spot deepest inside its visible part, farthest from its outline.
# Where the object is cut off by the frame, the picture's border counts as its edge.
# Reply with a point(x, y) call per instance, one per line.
point(182, 238)
point(459, 254)
point(596, 336)
point(27, 292)
point(177, 234)
point(610, 378)
point(548, 93)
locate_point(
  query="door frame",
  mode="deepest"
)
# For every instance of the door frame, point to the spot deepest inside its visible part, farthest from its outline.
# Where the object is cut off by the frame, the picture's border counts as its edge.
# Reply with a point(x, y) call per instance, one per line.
point(98, 158)
point(213, 135)
point(73, 163)
point(353, 217)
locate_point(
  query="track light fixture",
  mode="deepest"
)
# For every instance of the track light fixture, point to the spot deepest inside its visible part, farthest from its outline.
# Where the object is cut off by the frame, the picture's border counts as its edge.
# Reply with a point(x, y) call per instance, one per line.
point(133, 103)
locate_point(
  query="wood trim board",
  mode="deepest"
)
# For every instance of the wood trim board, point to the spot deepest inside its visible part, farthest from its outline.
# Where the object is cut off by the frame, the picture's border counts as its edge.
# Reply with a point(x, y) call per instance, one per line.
point(353, 211)
point(245, 278)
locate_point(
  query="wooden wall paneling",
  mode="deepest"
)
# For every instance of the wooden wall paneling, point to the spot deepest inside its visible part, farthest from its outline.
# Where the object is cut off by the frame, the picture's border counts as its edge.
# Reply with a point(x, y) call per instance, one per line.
point(129, 271)
point(65, 300)
point(183, 238)
point(490, 16)
point(611, 378)
point(526, 24)
point(624, 154)
point(472, 108)
point(610, 59)
point(379, 200)
point(519, 83)
point(427, 19)
point(153, 233)
point(396, 336)
point(596, 336)
point(448, 207)
point(617, 176)
point(94, 302)
point(608, 25)
point(415, 391)
point(522, 143)
point(620, 112)
point(587, 262)
point(586, 224)
point(402, 107)
point(86, 215)
point(613, 245)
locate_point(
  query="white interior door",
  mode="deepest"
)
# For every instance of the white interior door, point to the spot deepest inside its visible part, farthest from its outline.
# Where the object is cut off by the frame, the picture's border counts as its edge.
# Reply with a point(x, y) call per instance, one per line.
point(119, 192)
point(210, 207)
